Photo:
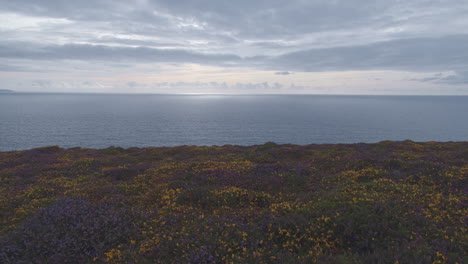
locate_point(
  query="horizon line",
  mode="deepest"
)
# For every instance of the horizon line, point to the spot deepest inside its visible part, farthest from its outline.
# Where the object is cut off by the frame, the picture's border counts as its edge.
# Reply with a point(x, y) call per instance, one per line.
point(220, 94)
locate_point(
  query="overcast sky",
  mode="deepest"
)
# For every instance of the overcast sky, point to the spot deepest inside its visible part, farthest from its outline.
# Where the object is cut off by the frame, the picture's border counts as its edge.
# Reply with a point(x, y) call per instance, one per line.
point(242, 46)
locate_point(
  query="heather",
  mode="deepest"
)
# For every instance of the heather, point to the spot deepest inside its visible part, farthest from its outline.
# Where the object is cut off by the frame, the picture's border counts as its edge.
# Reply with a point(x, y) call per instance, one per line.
point(388, 202)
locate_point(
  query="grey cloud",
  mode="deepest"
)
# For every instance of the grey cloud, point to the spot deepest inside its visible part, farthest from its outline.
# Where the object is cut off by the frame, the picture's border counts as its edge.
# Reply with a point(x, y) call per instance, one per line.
point(257, 86)
point(132, 84)
point(280, 19)
point(47, 84)
point(265, 86)
point(273, 17)
point(263, 34)
point(79, 10)
point(12, 68)
point(246, 18)
point(108, 53)
point(19, 66)
point(135, 42)
point(159, 87)
point(283, 73)
point(274, 44)
point(421, 54)
point(426, 79)
point(62, 85)
point(457, 78)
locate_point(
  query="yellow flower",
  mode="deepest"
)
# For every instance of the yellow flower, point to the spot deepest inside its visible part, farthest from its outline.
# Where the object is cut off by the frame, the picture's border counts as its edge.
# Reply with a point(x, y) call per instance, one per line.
point(113, 255)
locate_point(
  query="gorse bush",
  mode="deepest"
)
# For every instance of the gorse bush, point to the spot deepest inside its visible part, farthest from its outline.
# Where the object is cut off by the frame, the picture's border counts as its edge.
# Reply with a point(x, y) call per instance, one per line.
point(389, 202)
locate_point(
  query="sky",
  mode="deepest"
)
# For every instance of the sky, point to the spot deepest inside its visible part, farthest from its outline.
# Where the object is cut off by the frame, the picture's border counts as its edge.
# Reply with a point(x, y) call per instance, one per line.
point(235, 47)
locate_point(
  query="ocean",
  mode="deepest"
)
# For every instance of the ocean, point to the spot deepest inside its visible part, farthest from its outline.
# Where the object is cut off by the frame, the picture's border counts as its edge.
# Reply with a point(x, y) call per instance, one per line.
point(30, 120)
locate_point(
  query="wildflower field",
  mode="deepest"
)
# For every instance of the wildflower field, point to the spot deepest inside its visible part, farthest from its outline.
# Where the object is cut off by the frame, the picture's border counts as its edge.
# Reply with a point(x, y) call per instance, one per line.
point(388, 202)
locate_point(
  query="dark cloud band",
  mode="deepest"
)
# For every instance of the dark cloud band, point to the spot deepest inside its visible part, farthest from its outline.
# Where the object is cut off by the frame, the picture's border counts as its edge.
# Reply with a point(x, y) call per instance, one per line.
point(423, 54)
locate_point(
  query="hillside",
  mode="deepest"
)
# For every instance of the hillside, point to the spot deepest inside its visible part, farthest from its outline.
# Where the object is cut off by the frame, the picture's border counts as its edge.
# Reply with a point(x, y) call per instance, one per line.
point(388, 202)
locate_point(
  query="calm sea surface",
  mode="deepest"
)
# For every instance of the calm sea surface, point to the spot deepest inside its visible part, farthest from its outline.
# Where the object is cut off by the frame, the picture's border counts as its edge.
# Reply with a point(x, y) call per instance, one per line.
point(97, 121)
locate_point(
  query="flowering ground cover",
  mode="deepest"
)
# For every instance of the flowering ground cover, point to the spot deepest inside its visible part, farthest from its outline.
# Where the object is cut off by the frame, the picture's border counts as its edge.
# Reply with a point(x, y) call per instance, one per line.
point(388, 202)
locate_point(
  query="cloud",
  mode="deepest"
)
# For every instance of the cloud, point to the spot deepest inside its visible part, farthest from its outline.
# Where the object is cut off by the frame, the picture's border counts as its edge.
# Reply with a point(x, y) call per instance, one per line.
point(157, 87)
point(247, 23)
point(12, 68)
point(457, 78)
point(273, 18)
point(423, 54)
point(87, 52)
point(218, 86)
point(426, 79)
point(420, 54)
point(254, 35)
point(283, 73)
point(46, 84)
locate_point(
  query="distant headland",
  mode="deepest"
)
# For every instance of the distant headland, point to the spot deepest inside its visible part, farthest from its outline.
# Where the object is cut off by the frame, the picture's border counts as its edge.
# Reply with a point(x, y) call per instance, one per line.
point(6, 91)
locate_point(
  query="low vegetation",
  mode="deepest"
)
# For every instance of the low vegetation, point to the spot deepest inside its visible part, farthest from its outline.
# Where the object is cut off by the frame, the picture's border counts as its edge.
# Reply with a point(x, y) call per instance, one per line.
point(389, 202)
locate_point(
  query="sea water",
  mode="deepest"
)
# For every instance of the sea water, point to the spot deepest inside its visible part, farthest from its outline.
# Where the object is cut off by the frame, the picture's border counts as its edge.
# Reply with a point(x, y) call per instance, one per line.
point(29, 120)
